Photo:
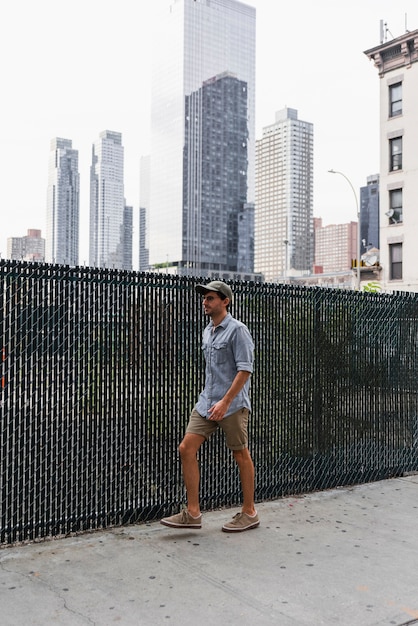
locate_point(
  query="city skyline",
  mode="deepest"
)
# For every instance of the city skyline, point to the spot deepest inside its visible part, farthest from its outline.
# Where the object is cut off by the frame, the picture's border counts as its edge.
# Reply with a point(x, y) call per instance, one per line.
point(309, 56)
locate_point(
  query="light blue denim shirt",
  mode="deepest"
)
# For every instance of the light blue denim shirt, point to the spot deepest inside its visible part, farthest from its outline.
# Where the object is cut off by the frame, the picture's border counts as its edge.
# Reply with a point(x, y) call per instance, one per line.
point(228, 349)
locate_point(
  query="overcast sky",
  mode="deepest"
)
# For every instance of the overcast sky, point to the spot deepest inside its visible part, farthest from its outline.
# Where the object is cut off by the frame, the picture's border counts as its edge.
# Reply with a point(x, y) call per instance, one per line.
point(74, 69)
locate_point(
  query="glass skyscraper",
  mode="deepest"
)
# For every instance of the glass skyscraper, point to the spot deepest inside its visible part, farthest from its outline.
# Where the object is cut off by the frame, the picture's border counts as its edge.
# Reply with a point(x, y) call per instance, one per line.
point(143, 204)
point(202, 151)
point(369, 214)
point(107, 203)
point(128, 212)
point(63, 204)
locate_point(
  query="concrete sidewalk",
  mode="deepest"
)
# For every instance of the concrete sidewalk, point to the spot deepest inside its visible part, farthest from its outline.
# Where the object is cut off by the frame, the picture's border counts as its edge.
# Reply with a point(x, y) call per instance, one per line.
point(347, 556)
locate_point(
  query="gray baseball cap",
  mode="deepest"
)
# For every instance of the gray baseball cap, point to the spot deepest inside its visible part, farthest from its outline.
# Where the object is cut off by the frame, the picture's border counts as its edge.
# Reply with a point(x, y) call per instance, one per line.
point(215, 285)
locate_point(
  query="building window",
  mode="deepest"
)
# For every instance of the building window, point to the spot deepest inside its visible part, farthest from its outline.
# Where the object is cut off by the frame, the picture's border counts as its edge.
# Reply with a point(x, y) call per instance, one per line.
point(395, 261)
point(395, 206)
point(395, 148)
point(395, 99)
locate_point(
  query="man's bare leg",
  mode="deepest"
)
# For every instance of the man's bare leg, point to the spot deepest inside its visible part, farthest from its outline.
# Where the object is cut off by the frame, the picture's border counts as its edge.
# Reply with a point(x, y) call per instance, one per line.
point(246, 472)
point(191, 474)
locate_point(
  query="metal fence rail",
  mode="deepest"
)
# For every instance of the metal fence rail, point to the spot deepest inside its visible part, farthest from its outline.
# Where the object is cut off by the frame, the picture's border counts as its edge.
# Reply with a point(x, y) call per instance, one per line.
point(101, 368)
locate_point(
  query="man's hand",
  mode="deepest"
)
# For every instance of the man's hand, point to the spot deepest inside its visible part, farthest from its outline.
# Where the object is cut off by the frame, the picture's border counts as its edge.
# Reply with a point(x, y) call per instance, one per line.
point(218, 410)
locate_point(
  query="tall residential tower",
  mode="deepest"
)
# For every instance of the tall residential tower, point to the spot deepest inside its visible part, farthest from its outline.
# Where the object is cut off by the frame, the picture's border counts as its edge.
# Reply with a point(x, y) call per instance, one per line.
point(202, 151)
point(63, 201)
point(284, 243)
point(107, 203)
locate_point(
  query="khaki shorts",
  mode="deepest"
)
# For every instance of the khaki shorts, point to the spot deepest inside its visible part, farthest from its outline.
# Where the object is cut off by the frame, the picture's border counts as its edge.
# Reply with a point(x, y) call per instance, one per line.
point(235, 427)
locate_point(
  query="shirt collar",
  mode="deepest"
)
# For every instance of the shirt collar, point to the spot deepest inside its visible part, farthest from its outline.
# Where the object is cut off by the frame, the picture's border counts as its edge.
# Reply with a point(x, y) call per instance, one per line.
point(224, 322)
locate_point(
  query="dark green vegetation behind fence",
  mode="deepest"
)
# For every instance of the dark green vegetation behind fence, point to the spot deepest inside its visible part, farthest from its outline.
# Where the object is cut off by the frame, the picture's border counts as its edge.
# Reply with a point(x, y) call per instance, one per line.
point(101, 368)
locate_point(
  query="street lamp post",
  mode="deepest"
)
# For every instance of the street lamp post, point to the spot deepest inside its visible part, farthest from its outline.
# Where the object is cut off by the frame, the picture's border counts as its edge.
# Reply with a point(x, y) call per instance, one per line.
point(358, 224)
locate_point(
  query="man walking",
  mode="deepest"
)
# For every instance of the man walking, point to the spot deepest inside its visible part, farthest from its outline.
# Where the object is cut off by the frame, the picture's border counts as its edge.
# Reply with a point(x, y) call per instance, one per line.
point(223, 403)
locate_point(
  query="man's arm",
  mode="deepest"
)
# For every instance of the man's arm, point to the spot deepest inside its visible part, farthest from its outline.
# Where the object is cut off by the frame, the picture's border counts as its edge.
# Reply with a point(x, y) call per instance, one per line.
point(217, 411)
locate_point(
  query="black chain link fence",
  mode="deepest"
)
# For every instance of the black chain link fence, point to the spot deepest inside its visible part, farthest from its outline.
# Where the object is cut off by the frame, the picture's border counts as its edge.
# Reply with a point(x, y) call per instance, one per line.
point(101, 368)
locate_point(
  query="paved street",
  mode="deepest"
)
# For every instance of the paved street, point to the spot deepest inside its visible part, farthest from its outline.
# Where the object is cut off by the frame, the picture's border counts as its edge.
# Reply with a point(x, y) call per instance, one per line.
point(346, 556)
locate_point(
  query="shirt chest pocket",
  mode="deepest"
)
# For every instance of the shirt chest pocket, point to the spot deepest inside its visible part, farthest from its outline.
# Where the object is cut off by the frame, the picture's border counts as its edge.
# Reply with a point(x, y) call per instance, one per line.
point(219, 353)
